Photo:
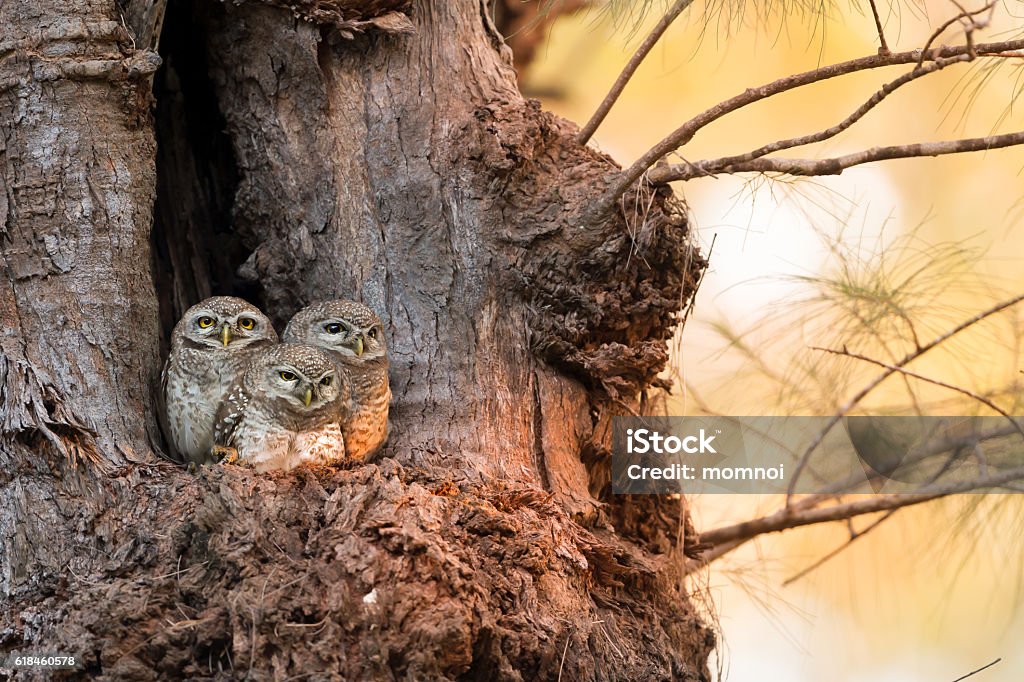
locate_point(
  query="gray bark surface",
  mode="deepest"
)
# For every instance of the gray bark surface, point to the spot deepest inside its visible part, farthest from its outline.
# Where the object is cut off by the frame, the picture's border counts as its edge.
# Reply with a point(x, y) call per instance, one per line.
point(377, 151)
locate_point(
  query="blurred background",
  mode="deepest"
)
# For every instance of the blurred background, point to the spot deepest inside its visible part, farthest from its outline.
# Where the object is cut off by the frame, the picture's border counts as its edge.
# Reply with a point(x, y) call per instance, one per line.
point(873, 259)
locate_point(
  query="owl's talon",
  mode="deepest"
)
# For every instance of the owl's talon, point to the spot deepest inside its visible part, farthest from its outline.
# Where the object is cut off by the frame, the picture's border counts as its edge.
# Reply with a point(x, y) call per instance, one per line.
point(224, 454)
point(192, 468)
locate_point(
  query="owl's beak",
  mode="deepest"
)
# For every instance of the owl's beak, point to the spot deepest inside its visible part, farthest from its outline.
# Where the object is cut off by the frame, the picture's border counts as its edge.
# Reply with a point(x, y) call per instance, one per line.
point(358, 347)
point(308, 396)
point(225, 335)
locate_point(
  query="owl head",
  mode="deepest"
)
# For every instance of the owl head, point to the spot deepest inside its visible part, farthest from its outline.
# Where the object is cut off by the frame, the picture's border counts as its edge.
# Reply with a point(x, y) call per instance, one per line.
point(302, 379)
point(223, 323)
point(350, 329)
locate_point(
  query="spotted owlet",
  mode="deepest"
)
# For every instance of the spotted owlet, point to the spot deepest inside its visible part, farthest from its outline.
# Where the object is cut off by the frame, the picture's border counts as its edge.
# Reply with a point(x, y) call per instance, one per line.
point(210, 346)
point(354, 337)
point(285, 410)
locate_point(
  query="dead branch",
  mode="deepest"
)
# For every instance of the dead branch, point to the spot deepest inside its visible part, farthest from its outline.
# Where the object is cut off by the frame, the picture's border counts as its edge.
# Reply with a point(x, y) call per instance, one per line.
point(944, 447)
point(627, 72)
point(951, 443)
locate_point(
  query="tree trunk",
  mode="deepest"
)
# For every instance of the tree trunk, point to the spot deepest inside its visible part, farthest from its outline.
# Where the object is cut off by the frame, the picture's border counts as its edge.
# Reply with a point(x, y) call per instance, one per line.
point(369, 150)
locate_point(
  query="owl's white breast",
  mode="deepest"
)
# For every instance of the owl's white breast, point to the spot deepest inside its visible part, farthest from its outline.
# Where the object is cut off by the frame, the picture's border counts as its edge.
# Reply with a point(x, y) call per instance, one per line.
point(324, 445)
point(269, 446)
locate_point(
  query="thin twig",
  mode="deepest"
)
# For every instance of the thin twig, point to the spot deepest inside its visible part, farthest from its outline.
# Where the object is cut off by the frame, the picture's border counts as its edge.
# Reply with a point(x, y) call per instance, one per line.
point(883, 47)
point(627, 73)
point(565, 650)
point(854, 536)
point(964, 14)
point(685, 132)
point(975, 672)
point(959, 389)
point(909, 357)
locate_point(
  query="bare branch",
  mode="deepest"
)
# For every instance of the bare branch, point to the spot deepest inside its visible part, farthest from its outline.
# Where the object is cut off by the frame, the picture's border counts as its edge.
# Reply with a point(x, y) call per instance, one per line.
point(918, 352)
point(837, 165)
point(959, 389)
point(790, 517)
point(712, 166)
point(627, 73)
point(685, 132)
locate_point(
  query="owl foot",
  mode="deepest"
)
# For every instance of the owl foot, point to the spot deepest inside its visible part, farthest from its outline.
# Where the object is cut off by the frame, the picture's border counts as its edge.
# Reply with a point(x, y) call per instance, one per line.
point(224, 454)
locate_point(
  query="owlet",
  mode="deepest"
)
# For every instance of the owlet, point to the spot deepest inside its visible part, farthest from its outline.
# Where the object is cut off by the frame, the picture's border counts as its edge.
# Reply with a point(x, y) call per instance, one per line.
point(354, 337)
point(210, 346)
point(285, 410)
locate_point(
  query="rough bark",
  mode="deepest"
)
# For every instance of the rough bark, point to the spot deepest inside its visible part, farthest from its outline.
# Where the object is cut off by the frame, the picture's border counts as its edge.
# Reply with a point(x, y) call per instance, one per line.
point(76, 191)
point(305, 155)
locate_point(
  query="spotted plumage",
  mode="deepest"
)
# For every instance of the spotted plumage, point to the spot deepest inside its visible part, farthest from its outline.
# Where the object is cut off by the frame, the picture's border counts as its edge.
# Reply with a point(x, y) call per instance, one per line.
point(354, 336)
point(210, 346)
point(285, 410)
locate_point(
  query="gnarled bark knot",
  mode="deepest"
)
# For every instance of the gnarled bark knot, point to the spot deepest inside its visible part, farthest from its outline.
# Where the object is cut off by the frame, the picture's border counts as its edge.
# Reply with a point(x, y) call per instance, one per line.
point(604, 295)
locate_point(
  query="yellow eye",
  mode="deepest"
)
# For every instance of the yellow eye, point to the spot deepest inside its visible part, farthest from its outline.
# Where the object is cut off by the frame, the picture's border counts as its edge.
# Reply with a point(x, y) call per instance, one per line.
point(332, 328)
point(246, 323)
point(372, 333)
point(326, 381)
point(288, 376)
point(205, 322)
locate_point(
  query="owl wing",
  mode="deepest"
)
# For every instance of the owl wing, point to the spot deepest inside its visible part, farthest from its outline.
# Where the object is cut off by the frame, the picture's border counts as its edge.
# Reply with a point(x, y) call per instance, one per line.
point(230, 414)
point(161, 414)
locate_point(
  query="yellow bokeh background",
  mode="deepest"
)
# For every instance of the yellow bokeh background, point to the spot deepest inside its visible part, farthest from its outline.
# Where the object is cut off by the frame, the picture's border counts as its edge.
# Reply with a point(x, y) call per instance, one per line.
point(937, 591)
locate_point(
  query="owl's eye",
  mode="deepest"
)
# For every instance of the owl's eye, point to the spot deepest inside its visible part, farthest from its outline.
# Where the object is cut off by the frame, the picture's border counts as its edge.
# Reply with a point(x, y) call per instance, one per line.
point(246, 323)
point(205, 322)
point(326, 381)
point(372, 333)
point(332, 328)
point(287, 376)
